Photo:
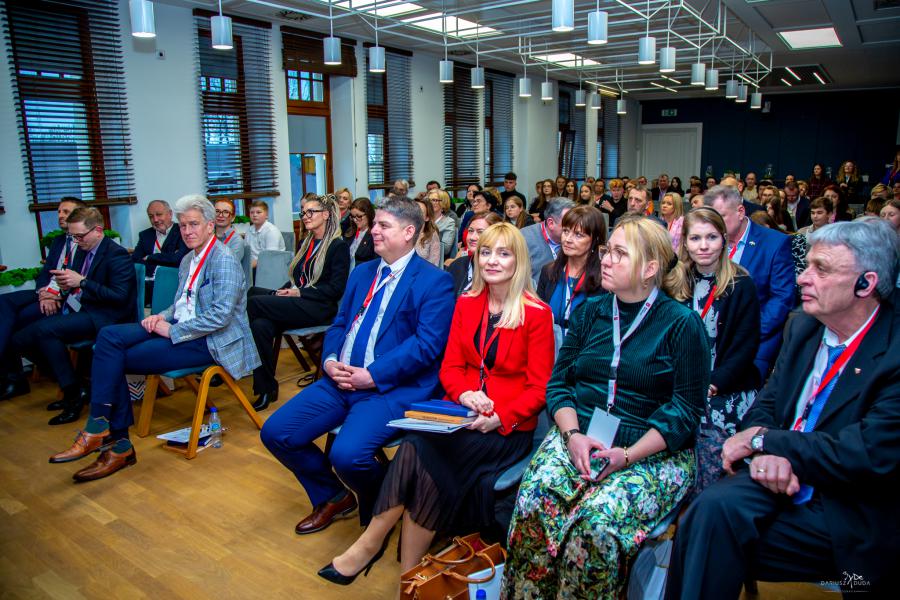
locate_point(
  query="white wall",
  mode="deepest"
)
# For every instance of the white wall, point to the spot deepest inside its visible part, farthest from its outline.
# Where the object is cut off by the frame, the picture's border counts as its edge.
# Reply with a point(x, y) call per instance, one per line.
point(427, 105)
point(537, 128)
point(629, 140)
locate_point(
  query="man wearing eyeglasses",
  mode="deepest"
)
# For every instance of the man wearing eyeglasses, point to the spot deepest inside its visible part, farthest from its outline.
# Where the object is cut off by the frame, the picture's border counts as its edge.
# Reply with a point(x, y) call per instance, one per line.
point(96, 290)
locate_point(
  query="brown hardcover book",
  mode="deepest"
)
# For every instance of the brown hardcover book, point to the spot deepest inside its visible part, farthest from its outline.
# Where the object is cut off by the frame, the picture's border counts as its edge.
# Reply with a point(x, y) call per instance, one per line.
point(428, 416)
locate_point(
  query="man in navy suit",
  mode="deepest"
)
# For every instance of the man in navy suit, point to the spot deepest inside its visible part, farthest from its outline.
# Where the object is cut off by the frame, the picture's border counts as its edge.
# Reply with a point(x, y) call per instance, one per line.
point(819, 500)
point(766, 254)
point(97, 289)
point(381, 354)
point(161, 244)
point(796, 205)
point(22, 308)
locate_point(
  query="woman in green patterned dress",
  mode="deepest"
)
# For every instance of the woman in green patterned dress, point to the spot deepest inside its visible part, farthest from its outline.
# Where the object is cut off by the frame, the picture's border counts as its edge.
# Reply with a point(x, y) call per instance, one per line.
point(571, 536)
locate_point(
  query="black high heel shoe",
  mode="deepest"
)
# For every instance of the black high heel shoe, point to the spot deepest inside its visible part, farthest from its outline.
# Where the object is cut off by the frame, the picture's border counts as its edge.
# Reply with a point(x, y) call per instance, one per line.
point(264, 400)
point(331, 574)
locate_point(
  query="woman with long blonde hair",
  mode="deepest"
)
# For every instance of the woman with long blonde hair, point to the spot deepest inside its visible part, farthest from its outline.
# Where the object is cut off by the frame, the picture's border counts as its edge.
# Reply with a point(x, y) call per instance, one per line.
point(317, 276)
point(497, 362)
point(724, 295)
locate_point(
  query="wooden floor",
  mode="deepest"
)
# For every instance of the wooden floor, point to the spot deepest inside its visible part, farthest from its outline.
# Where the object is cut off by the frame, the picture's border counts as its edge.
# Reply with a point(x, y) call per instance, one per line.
point(219, 526)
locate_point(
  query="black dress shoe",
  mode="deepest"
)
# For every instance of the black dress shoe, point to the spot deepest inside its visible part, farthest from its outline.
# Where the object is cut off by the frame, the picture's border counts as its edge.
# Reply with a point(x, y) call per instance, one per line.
point(264, 400)
point(56, 405)
point(334, 576)
point(14, 387)
point(70, 414)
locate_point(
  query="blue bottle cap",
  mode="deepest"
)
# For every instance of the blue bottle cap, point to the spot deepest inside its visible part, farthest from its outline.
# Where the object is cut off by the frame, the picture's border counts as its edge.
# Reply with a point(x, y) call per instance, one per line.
point(213, 409)
point(481, 595)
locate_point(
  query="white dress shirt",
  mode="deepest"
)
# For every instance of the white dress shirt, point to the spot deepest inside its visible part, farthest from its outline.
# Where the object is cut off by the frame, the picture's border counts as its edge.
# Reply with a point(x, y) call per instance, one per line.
point(398, 268)
point(741, 244)
point(267, 237)
point(161, 239)
point(829, 339)
point(186, 310)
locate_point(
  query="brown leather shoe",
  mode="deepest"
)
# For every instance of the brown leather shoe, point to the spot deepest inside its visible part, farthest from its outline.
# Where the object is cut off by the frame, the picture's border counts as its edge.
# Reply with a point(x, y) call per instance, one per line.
point(325, 514)
point(84, 444)
point(108, 463)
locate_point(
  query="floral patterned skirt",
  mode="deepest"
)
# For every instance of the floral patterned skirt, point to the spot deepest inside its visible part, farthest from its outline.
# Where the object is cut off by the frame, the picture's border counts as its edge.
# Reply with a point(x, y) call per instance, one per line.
point(571, 538)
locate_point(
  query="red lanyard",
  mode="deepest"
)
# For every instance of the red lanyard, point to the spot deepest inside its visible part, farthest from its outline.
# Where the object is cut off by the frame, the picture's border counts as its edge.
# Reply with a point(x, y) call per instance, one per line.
point(372, 291)
point(228, 239)
point(156, 243)
point(357, 234)
point(842, 360)
point(544, 233)
point(190, 287)
point(309, 253)
point(484, 347)
point(709, 301)
point(732, 251)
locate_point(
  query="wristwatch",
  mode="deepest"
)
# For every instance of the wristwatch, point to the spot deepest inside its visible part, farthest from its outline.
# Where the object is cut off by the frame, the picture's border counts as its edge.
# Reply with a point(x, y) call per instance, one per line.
point(568, 435)
point(756, 442)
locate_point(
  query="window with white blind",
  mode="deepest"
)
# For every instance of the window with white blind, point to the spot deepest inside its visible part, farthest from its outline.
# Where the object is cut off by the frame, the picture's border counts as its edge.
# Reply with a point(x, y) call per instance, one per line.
point(389, 152)
point(498, 126)
point(69, 93)
point(572, 136)
point(238, 120)
point(462, 120)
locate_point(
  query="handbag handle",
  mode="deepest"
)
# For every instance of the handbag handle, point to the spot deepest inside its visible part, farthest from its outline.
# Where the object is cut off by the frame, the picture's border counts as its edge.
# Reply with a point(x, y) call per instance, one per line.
point(470, 554)
point(467, 579)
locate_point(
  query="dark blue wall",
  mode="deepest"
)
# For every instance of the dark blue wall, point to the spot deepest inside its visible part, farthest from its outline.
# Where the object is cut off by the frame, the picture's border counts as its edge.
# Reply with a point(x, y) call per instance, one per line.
point(800, 130)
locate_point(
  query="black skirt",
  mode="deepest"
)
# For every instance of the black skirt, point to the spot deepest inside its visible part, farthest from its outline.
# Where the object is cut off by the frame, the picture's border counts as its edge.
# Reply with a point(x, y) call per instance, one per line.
point(446, 481)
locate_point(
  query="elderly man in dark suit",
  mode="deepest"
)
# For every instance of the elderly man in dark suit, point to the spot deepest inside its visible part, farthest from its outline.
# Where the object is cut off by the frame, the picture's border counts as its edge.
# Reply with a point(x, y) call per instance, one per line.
point(159, 245)
point(96, 289)
point(22, 308)
point(819, 500)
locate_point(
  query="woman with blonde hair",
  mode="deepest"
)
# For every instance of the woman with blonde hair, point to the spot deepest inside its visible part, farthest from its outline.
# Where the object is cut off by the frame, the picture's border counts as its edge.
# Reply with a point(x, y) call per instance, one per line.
point(428, 246)
point(671, 209)
point(446, 225)
point(462, 269)
point(724, 295)
point(317, 276)
point(496, 364)
point(344, 200)
point(634, 363)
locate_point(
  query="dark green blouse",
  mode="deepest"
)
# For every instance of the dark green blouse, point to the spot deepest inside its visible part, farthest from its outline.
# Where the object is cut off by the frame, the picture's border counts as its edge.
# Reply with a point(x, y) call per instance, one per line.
point(663, 376)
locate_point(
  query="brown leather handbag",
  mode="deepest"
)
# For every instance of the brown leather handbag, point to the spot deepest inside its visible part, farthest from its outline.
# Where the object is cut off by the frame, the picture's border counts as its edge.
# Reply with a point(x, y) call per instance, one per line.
point(445, 576)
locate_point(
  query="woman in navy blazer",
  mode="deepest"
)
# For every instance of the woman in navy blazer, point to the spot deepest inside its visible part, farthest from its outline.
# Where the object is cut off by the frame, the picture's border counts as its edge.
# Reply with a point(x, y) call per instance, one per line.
point(497, 363)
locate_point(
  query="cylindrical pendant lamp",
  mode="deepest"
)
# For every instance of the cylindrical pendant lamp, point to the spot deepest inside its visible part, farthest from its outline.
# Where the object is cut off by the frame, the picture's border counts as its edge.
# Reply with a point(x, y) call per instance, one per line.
point(563, 15)
point(712, 79)
point(731, 89)
point(667, 59)
point(698, 73)
point(477, 78)
point(221, 33)
point(142, 23)
point(524, 88)
point(647, 50)
point(621, 107)
point(376, 59)
point(756, 100)
point(580, 98)
point(546, 91)
point(598, 27)
point(332, 50)
point(446, 71)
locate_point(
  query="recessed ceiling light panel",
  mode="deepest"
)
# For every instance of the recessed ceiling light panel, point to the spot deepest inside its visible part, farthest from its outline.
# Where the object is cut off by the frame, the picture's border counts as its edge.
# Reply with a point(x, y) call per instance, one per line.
point(804, 39)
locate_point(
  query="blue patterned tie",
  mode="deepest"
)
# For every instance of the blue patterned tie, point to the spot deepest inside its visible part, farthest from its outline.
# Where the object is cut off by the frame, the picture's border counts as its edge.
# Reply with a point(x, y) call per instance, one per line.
point(806, 491)
point(358, 353)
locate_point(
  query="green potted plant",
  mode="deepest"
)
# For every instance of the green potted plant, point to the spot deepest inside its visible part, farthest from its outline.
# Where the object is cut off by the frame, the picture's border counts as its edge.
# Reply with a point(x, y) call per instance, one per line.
point(47, 239)
point(242, 224)
point(17, 279)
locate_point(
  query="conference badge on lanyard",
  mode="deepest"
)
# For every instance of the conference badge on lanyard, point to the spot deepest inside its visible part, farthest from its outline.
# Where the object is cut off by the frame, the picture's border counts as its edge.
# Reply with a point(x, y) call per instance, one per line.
point(618, 340)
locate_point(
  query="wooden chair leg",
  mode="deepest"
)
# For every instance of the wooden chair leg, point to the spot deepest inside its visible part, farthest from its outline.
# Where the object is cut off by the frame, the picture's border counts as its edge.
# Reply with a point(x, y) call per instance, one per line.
point(199, 409)
point(242, 398)
point(150, 388)
point(193, 383)
point(163, 389)
point(304, 364)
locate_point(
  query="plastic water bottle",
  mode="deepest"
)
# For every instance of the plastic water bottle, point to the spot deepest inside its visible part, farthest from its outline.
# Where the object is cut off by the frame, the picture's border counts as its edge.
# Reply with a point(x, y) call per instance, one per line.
point(215, 428)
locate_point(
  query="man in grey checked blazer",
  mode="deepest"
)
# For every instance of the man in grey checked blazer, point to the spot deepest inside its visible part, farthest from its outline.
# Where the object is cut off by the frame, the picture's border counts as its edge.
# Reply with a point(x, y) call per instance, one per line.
point(206, 324)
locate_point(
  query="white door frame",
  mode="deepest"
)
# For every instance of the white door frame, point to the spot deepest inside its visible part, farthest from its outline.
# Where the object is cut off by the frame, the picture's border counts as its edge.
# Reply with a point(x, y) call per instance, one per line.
point(697, 127)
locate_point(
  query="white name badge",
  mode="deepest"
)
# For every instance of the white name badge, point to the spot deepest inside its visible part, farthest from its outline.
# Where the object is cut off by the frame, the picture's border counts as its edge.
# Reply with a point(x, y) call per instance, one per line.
point(603, 427)
point(73, 302)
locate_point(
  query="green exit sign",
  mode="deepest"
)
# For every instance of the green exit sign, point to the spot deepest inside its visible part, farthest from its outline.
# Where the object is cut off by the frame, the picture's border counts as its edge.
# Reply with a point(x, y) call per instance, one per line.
point(670, 112)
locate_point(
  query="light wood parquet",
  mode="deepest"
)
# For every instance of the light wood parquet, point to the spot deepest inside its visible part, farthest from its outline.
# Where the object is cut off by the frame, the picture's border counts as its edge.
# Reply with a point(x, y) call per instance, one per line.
point(218, 526)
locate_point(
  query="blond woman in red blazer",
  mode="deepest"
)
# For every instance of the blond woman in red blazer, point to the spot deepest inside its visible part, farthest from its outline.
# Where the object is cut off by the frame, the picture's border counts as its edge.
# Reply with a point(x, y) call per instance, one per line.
point(444, 482)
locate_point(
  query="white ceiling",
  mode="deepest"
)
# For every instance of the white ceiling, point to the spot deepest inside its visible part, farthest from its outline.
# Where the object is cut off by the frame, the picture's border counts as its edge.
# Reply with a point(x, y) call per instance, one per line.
point(736, 29)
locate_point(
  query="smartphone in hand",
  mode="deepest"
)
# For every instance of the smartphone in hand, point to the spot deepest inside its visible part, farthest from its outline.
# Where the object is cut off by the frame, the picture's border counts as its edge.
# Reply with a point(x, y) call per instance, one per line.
point(598, 464)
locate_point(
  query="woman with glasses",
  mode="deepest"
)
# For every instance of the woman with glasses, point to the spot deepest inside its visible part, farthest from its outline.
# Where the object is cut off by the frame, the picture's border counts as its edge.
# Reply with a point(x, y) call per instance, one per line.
point(634, 363)
point(574, 276)
point(724, 296)
point(317, 276)
point(446, 225)
point(461, 269)
point(496, 364)
point(428, 246)
point(359, 234)
point(226, 232)
point(483, 202)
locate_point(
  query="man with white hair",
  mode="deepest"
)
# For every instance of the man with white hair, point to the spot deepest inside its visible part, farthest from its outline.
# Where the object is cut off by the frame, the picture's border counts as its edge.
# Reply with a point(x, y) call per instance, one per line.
point(543, 239)
point(819, 499)
point(206, 324)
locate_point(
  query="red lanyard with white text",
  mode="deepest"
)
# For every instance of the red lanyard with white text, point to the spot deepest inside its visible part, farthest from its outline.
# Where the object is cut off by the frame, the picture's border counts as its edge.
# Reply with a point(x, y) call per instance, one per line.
point(156, 243)
point(547, 239)
point(618, 340)
point(707, 305)
point(570, 296)
point(311, 251)
point(833, 372)
point(484, 347)
point(373, 289)
point(190, 287)
point(228, 239)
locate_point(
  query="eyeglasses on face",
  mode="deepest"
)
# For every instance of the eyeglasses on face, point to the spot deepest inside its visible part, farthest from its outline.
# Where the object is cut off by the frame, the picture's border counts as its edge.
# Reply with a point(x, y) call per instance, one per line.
point(223, 213)
point(616, 254)
point(309, 212)
point(79, 237)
